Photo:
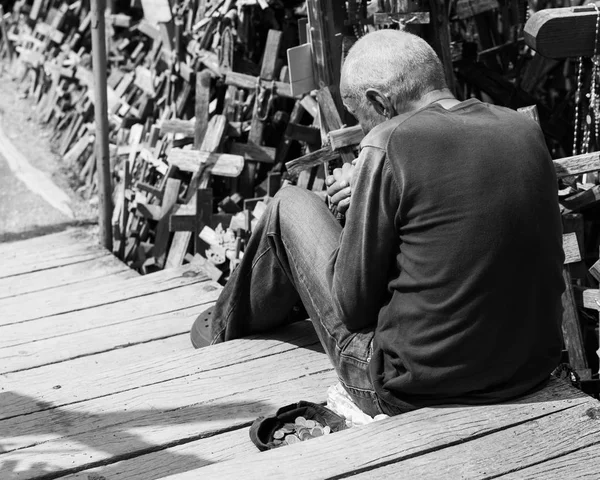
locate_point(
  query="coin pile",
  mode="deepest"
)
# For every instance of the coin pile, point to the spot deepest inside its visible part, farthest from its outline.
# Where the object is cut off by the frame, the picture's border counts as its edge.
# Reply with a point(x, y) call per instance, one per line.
point(299, 431)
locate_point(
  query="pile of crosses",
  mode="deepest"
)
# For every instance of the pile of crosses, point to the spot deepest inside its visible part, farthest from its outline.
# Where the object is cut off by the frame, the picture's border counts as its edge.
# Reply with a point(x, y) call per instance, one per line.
point(214, 104)
point(204, 126)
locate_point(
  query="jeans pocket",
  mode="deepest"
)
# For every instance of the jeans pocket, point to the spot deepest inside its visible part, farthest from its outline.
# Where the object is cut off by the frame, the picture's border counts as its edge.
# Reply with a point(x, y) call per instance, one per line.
point(358, 347)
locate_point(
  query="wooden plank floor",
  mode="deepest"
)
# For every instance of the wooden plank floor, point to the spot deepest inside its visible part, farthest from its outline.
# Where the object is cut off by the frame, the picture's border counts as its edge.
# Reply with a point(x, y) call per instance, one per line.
point(98, 381)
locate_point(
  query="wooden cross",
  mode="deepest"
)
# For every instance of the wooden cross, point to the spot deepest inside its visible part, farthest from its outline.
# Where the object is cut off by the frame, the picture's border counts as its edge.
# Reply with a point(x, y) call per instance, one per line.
point(571, 325)
point(201, 163)
point(562, 32)
point(338, 140)
point(266, 87)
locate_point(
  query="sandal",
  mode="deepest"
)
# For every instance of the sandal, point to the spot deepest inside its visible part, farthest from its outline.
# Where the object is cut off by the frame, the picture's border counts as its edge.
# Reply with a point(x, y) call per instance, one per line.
point(201, 331)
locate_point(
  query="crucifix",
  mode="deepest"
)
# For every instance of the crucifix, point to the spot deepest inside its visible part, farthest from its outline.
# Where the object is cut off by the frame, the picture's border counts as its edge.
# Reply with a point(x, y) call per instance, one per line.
point(266, 88)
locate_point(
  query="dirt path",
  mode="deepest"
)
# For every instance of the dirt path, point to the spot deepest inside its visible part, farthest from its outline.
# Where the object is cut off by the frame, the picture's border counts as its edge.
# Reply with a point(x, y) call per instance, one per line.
point(26, 190)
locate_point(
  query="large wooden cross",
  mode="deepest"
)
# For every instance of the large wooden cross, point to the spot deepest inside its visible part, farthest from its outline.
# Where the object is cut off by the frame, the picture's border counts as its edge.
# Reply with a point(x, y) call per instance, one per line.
point(563, 33)
point(266, 87)
point(186, 220)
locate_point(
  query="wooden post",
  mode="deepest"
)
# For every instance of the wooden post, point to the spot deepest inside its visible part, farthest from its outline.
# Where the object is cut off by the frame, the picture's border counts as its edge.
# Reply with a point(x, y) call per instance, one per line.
point(4, 31)
point(571, 326)
point(326, 20)
point(101, 118)
point(440, 38)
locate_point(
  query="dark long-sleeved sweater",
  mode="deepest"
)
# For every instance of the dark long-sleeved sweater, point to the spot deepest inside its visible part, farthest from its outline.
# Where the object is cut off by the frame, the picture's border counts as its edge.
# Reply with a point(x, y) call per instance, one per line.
point(453, 248)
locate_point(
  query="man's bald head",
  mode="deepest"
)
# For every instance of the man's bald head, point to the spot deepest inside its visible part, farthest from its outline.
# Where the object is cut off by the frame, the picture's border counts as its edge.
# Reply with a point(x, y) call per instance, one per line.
point(398, 64)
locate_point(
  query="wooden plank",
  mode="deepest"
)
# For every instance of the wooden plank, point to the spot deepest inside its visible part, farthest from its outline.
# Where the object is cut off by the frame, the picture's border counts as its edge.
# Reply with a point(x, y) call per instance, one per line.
point(71, 299)
point(331, 120)
point(562, 32)
point(590, 298)
point(178, 459)
point(55, 326)
point(587, 198)
point(571, 247)
point(107, 267)
point(304, 133)
point(241, 80)
point(470, 8)
point(312, 159)
point(502, 452)
point(161, 240)
point(214, 135)
point(204, 209)
point(35, 9)
point(28, 255)
point(325, 23)
point(44, 260)
point(86, 434)
point(136, 321)
point(203, 80)
point(254, 152)
point(94, 376)
point(578, 164)
point(183, 127)
point(157, 11)
point(267, 73)
point(404, 436)
point(440, 38)
point(222, 164)
point(270, 55)
point(217, 126)
point(572, 330)
point(69, 236)
point(346, 137)
point(179, 247)
point(580, 464)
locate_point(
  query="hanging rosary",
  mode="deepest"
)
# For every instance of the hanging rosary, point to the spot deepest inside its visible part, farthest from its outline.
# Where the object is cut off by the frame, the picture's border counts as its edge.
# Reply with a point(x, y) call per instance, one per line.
point(356, 16)
point(592, 119)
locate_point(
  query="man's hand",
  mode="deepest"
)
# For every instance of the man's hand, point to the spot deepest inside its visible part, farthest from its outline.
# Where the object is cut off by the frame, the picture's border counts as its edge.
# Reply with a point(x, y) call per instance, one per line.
point(339, 187)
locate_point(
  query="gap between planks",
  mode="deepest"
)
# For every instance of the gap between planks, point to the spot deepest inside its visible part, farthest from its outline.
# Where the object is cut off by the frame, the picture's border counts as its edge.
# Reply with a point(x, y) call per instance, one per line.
point(425, 465)
point(93, 376)
point(71, 236)
point(91, 342)
point(113, 314)
point(108, 429)
point(97, 294)
point(572, 466)
point(60, 258)
point(107, 267)
point(505, 451)
point(405, 436)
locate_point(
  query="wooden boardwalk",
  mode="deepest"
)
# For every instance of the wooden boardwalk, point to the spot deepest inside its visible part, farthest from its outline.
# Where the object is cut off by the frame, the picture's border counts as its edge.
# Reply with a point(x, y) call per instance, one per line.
point(98, 381)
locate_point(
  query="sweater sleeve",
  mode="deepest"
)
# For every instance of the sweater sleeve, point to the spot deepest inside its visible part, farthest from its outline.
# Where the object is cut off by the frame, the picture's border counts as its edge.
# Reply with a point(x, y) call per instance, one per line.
point(359, 270)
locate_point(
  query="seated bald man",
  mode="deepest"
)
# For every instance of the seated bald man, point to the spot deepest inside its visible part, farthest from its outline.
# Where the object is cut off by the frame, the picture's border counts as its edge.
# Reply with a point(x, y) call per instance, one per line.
point(444, 286)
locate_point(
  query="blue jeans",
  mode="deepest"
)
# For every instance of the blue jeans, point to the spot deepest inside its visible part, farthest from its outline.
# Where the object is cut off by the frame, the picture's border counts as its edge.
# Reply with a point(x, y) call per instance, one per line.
point(285, 260)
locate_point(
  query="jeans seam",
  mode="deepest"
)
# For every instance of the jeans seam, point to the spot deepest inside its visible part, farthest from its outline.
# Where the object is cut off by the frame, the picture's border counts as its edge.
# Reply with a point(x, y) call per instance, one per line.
point(300, 278)
point(232, 307)
point(366, 390)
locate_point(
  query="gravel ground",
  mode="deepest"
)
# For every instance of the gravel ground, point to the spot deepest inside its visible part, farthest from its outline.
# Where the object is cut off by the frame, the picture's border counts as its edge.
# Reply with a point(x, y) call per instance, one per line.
point(23, 213)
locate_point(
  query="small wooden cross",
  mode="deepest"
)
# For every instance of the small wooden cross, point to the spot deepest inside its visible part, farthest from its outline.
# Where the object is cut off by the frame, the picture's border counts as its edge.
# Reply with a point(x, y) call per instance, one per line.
point(266, 88)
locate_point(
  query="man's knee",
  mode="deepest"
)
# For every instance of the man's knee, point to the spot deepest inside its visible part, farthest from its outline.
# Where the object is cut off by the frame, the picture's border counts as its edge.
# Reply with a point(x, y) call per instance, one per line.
point(296, 198)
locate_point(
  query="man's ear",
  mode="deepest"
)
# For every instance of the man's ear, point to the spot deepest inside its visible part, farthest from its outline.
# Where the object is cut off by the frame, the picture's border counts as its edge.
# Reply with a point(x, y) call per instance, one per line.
point(381, 103)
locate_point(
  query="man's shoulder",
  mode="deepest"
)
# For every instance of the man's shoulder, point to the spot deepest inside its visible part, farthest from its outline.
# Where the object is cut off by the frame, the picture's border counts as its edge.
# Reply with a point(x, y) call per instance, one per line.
point(429, 120)
point(379, 137)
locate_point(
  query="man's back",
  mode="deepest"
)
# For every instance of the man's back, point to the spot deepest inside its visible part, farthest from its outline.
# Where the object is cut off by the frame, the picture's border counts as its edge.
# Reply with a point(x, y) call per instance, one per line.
point(474, 309)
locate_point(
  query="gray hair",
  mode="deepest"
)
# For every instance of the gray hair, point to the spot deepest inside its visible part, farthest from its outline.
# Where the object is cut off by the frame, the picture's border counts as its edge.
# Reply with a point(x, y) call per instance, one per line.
point(395, 62)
